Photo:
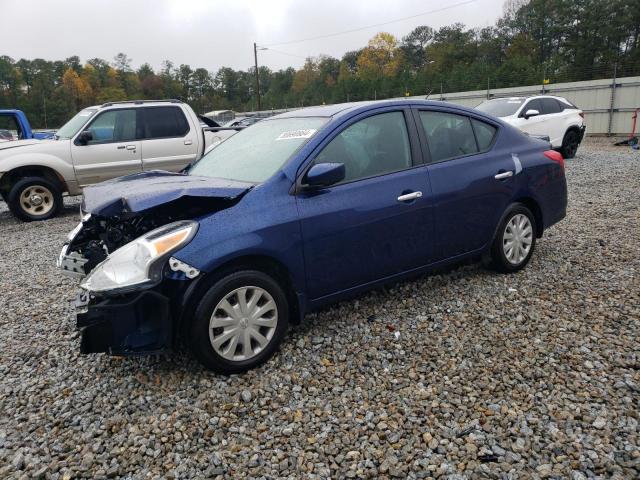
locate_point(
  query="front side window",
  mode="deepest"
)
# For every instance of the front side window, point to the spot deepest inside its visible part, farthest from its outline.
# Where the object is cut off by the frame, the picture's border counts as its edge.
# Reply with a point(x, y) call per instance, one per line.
point(113, 126)
point(164, 122)
point(448, 135)
point(370, 147)
point(532, 105)
point(255, 154)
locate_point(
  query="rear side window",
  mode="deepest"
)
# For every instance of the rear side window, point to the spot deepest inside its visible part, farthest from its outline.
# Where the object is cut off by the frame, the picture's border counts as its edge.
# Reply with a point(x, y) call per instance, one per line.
point(164, 122)
point(484, 134)
point(373, 146)
point(448, 135)
point(549, 106)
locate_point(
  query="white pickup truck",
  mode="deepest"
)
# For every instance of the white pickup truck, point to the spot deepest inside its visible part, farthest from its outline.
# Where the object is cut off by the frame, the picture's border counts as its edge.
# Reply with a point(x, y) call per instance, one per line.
point(99, 143)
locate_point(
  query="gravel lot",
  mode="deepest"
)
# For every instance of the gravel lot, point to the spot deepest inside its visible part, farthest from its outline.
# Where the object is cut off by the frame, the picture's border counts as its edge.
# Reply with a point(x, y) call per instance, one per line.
point(465, 374)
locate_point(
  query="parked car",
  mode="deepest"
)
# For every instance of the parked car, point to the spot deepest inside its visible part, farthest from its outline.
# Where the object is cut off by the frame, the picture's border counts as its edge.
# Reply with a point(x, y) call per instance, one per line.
point(99, 143)
point(543, 115)
point(242, 122)
point(300, 210)
point(6, 136)
point(17, 121)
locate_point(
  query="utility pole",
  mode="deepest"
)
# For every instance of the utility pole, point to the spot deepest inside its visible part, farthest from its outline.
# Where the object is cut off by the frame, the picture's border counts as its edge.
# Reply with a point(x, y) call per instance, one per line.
point(255, 57)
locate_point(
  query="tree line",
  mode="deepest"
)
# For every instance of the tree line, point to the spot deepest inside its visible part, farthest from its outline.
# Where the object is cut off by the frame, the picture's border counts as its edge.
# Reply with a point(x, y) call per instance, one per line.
point(533, 42)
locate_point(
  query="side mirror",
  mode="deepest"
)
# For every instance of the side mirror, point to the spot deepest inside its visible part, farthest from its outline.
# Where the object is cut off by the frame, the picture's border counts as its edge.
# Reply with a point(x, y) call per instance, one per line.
point(85, 137)
point(531, 113)
point(324, 174)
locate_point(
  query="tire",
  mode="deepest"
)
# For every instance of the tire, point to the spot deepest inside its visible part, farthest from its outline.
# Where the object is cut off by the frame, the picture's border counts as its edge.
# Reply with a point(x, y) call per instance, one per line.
point(518, 221)
point(34, 198)
point(208, 325)
point(570, 144)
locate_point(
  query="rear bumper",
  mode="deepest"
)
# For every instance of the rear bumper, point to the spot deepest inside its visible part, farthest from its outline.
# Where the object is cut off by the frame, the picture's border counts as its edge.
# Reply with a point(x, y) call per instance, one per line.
point(131, 324)
point(583, 129)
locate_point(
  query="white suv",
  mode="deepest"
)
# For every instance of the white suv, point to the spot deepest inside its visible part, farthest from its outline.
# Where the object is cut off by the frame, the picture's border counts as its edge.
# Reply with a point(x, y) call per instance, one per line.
point(542, 115)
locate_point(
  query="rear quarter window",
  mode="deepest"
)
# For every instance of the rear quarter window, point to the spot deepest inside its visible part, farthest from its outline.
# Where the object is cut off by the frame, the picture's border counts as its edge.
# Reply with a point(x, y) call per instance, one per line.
point(485, 134)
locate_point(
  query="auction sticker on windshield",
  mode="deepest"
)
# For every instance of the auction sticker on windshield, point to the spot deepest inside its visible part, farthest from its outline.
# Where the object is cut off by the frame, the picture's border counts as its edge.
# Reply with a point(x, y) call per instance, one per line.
point(304, 133)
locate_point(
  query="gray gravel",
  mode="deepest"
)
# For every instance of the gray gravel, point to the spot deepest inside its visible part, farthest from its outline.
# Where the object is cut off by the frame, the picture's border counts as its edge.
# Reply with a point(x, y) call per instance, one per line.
point(465, 374)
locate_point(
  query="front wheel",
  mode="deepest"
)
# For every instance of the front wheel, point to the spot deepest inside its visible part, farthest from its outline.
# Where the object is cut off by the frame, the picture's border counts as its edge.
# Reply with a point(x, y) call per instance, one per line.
point(515, 241)
point(35, 198)
point(570, 144)
point(239, 323)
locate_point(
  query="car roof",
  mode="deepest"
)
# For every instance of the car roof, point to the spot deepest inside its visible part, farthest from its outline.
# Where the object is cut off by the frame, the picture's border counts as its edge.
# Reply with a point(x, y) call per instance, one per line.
point(526, 98)
point(138, 103)
point(339, 109)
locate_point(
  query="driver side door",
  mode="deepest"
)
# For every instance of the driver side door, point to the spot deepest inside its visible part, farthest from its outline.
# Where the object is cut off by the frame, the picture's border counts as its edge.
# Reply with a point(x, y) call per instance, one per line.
point(114, 149)
point(377, 222)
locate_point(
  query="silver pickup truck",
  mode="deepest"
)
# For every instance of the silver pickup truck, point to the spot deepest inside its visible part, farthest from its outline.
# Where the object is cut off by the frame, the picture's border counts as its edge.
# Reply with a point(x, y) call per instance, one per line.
point(100, 143)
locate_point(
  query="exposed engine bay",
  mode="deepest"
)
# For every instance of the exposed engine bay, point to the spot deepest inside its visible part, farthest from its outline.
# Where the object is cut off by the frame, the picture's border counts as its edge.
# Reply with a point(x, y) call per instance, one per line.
point(98, 236)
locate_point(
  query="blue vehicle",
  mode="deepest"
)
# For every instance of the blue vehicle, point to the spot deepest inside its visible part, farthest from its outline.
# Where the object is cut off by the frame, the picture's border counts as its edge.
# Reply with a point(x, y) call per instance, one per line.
point(298, 211)
point(16, 120)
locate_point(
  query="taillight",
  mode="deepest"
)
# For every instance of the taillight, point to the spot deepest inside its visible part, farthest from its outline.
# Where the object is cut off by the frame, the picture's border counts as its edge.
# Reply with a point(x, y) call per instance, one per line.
point(555, 156)
point(581, 114)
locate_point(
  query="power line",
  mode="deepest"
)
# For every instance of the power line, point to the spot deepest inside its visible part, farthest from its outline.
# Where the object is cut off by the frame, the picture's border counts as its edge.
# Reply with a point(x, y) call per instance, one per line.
point(319, 37)
point(281, 52)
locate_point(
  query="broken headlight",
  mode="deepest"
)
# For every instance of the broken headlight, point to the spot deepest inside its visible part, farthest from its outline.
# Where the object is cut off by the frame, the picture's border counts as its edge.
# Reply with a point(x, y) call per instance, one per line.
point(139, 262)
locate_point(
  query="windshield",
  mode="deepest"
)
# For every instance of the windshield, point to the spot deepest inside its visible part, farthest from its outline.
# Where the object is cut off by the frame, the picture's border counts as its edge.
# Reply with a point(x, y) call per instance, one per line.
point(255, 154)
point(70, 128)
point(502, 107)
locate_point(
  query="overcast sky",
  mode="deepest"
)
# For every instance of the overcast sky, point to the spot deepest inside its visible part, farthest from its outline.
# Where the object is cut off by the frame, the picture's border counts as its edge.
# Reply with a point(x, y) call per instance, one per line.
point(215, 33)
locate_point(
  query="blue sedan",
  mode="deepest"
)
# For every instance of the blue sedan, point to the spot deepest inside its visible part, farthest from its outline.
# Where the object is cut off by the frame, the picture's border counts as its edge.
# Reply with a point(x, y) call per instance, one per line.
point(301, 210)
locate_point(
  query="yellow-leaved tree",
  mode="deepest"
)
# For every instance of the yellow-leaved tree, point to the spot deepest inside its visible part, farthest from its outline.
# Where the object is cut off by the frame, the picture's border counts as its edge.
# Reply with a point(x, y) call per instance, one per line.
point(380, 58)
point(77, 88)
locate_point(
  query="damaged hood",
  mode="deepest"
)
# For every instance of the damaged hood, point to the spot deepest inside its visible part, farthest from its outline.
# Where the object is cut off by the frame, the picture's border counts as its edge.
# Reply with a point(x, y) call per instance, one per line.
point(142, 191)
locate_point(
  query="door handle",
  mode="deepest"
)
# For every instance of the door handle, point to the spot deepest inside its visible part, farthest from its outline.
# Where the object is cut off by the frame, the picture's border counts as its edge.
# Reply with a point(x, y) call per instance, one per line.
point(503, 175)
point(409, 196)
point(188, 142)
point(131, 147)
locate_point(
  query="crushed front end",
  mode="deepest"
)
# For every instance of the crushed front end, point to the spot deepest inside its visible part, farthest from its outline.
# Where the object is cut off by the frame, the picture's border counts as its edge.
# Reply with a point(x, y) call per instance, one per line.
point(131, 287)
point(129, 307)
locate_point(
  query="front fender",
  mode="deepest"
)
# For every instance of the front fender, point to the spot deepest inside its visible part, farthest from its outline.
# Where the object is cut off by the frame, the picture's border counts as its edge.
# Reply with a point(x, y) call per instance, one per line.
point(62, 167)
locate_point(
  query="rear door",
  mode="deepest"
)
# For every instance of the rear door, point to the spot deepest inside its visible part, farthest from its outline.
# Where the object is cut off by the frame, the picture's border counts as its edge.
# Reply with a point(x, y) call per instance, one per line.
point(472, 183)
point(169, 142)
point(375, 223)
point(114, 150)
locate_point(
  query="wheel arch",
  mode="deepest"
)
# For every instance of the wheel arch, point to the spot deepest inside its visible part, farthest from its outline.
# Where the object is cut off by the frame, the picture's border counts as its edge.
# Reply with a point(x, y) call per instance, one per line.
point(533, 205)
point(15, 174)
point(262, 263)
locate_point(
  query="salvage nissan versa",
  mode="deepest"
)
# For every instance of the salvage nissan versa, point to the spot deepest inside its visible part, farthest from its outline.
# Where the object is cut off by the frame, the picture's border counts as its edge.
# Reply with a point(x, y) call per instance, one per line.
point(300, 210)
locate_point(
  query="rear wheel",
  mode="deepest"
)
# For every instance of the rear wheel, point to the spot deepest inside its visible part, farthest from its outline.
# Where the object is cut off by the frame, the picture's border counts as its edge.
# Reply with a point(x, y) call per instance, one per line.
point(240, 322)
point(515, 241)
point(35, 198)
point(570, 144)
